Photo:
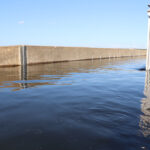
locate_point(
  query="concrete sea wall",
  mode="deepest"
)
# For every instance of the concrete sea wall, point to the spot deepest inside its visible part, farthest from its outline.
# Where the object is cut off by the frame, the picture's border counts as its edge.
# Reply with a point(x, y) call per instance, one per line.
point(10, 56)
point(22, 55)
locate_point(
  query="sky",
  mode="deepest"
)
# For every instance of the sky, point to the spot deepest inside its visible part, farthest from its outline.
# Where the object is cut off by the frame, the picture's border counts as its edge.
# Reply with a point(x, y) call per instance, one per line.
point(87, 23)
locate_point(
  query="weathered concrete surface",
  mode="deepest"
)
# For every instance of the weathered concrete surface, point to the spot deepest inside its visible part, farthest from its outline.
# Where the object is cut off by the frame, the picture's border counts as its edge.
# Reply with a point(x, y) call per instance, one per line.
point(14, 55)
point(145, 107)
point(45, 54)
point(10, 56)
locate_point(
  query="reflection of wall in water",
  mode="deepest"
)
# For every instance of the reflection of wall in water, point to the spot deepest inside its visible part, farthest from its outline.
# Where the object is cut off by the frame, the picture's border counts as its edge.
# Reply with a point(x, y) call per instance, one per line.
point(9, 74)
point(145, 118)
point(50, 74)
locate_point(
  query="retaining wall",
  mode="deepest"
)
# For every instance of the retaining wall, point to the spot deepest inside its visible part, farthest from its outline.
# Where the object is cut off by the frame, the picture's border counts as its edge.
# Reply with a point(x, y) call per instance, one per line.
point(20, 55)
point(10, 56)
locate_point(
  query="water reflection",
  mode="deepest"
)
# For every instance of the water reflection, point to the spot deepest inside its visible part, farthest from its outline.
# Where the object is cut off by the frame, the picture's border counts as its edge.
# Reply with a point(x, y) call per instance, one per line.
point(145, 118)
point(50, 74)
point(90, 105)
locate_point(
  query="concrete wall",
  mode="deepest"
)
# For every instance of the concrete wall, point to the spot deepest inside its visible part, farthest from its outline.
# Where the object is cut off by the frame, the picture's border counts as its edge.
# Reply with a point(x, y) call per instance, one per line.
point(44, 54)
point(17, 55)
point(10, 56)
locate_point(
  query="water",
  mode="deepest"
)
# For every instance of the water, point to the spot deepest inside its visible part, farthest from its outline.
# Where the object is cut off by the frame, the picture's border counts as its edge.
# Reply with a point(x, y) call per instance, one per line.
point(80, 105)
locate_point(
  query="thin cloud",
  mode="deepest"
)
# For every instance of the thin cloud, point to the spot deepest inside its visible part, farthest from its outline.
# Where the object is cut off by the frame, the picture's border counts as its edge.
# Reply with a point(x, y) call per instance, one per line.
point(20, 22)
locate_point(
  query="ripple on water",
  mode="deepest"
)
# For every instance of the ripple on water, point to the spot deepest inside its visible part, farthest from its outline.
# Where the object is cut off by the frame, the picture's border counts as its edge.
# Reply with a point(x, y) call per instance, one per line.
point(81, 105)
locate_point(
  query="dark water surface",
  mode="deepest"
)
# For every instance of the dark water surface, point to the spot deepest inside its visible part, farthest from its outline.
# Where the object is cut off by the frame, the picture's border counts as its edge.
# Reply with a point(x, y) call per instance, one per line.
point(80, 105)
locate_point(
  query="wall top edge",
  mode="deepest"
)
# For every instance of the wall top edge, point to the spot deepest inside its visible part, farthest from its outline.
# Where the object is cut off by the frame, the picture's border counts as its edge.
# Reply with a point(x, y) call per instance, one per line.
point(11, 46)
point(71, 47)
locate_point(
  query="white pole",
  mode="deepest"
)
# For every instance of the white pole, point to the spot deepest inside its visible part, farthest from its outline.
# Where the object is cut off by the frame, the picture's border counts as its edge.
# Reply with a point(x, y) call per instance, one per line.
point(148, 44)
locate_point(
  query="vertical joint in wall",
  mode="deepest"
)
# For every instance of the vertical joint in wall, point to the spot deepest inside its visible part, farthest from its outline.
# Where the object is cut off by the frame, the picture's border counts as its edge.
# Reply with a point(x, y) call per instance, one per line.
point(23, 53)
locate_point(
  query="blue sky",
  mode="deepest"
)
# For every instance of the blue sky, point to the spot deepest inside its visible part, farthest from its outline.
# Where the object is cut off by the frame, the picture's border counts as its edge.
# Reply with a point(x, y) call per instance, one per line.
point(90, 23)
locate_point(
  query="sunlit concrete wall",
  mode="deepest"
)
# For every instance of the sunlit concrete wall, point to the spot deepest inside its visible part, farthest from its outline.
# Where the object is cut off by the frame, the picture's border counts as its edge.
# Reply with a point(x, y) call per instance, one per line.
point(10, 56)
point(44, 54)
point(17, 55)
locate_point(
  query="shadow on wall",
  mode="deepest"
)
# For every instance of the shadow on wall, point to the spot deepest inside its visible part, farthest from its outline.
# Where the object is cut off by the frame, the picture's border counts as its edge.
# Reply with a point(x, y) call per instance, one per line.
point(145, 118)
